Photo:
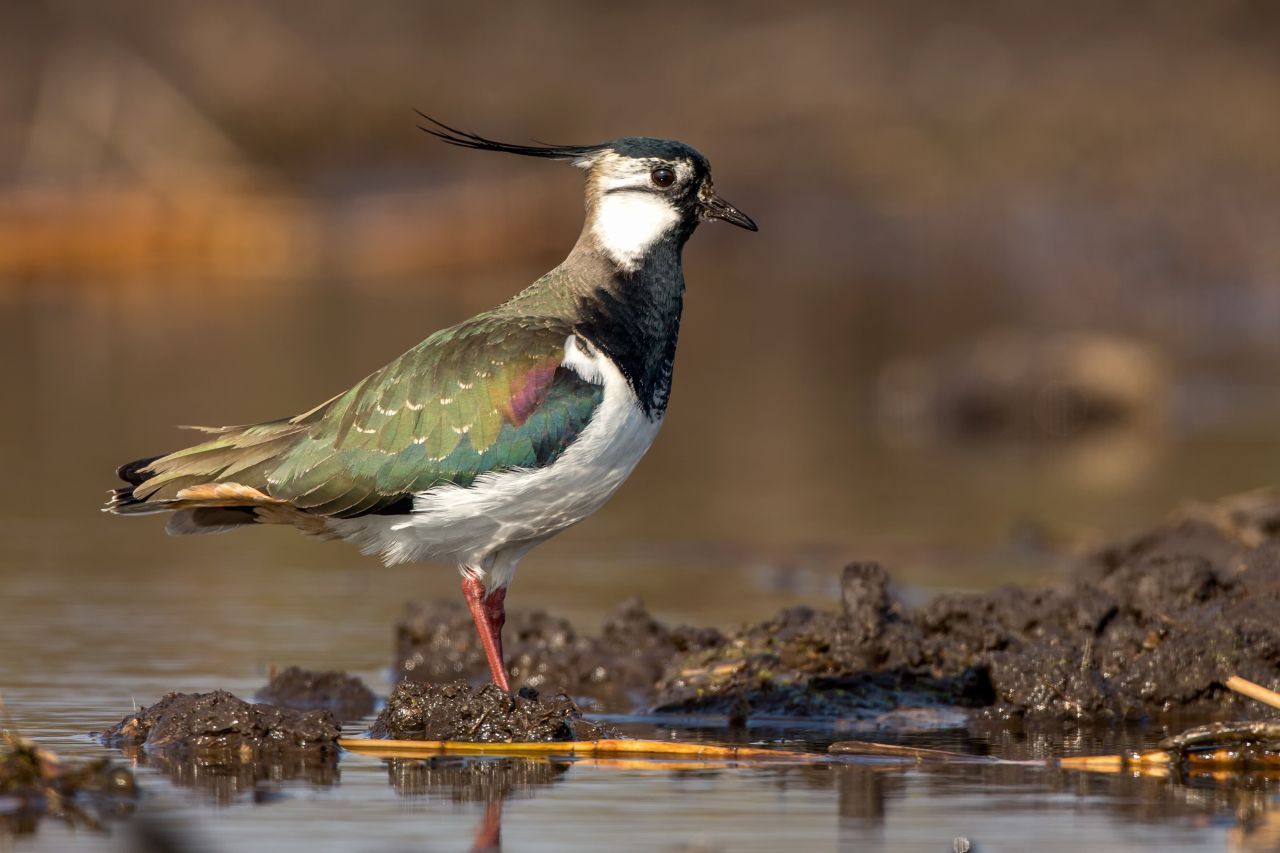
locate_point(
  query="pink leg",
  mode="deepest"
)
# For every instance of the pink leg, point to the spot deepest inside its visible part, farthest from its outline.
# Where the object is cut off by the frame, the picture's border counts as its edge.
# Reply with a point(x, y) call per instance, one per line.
point(490, 615)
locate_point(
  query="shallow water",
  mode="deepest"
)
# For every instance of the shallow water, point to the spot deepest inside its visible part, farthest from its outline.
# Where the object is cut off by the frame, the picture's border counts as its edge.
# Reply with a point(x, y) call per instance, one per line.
point(586, 807)
point(716, 527)
point(80, 655)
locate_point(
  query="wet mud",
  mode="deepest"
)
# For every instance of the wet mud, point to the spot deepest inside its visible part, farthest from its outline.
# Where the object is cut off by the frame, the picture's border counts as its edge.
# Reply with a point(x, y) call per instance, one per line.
point(219, 725)
point(36, 783)
point(344, 696)
point(615, 671)
point(227, 749)
point(455, 711)
point(1147, 627)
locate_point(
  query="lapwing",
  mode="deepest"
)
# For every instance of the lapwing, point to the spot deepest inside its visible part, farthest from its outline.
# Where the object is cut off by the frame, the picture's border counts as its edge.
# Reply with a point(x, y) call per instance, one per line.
point(490, 436)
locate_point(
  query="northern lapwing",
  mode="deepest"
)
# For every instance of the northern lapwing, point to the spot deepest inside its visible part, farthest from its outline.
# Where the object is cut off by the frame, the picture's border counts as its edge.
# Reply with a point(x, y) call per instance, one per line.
point(493, 435)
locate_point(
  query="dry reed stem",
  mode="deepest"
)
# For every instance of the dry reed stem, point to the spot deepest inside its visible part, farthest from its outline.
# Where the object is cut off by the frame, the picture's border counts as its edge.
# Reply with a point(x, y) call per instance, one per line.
point(576, 747)
point(915, 753)
point(1254, 691)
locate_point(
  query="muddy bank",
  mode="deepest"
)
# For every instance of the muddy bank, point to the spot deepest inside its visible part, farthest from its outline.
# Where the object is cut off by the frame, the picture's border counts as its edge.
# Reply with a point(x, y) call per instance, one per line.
point(455, 711)
point(1148, 626)
point(615, 671)
point(221, 725)
point(344, 696)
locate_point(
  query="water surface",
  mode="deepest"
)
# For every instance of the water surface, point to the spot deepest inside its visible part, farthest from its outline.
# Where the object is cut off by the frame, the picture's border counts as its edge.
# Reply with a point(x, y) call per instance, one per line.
point(759, 488)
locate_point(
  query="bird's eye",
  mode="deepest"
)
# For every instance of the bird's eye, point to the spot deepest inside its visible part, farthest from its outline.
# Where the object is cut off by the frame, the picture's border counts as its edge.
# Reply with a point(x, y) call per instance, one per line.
point(663, 176)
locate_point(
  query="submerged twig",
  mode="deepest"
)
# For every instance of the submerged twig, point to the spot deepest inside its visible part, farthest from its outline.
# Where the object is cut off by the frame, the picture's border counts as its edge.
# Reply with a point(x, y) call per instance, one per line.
point(914, 753)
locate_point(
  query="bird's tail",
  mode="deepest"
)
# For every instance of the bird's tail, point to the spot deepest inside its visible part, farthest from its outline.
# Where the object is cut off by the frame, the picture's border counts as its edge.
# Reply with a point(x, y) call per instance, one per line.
point(122, 501)
point(217, 485)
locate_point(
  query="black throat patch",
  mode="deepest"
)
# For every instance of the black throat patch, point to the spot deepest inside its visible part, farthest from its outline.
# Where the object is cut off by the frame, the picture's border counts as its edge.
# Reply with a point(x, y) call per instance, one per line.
point(634, 318)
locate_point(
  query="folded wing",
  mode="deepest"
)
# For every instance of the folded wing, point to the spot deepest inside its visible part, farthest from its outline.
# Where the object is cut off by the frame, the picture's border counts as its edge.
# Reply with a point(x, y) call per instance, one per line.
point(489, 395)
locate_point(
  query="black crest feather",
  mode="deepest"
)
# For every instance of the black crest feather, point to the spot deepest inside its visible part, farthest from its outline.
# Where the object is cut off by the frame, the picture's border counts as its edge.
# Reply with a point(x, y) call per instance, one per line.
point(463, 139)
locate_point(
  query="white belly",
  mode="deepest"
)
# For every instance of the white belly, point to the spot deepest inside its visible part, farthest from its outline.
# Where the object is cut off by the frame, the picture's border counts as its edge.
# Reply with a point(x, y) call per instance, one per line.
point(514, 510)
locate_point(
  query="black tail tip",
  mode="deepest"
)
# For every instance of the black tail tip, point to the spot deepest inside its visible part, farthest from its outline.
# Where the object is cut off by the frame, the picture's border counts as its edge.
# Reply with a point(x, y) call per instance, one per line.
point(131, 472)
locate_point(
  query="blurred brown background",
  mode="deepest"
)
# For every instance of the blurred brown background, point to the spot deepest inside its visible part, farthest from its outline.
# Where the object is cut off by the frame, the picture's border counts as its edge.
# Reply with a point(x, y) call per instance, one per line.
point(1016, 284)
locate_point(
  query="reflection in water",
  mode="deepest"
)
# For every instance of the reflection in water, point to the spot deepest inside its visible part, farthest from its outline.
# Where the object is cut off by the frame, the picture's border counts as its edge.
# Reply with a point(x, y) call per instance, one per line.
point(1257, 835)
point(861, 793)
point(224, 781)
point(36, 783)
point(861, 802)
point(874, 796)
point(870, 791)
point(471, 779)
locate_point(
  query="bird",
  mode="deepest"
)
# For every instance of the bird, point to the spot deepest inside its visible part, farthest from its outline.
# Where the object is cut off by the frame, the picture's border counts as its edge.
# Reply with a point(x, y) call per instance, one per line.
point(495, 434)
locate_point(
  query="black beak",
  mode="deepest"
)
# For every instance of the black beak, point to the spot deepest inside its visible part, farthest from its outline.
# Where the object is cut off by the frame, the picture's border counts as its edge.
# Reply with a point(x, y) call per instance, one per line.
point(714, 207)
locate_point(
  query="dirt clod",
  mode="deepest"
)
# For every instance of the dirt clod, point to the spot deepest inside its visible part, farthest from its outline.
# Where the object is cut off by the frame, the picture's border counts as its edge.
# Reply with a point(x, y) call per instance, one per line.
point(219, 724)
point(344, 696)
point(455, 712)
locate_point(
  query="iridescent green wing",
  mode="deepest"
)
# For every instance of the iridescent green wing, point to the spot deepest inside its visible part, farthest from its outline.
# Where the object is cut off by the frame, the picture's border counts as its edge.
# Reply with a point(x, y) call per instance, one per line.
point(489, 395)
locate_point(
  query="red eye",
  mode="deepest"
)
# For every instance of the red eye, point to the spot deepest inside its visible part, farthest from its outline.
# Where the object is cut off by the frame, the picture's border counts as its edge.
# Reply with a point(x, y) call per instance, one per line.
point(663, 176)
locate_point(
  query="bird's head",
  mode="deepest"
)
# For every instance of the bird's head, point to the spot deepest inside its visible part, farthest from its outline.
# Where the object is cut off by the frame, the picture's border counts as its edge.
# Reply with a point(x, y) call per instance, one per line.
point(640, 191)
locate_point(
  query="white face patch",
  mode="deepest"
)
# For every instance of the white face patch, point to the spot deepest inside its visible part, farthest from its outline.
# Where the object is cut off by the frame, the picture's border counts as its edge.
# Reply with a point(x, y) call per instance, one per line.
point(630, 216)
point(628, 223)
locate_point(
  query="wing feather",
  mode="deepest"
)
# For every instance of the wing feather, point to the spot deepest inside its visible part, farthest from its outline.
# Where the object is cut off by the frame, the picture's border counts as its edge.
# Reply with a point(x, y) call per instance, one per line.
point(489, 395)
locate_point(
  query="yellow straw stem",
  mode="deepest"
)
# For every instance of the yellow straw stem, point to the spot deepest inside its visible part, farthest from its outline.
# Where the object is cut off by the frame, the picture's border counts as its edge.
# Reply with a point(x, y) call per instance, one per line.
point(1095, 763)
point(576, 747)
point(1254, 691)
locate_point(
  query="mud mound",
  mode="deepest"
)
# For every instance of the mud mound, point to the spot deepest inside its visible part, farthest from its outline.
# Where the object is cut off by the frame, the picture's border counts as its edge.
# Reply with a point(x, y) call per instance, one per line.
point(220, 724)
point(436, 643)
point(1151, 625)
point(455, 712)
point(344, 696)
point(1148, 626)
point(860, 662)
